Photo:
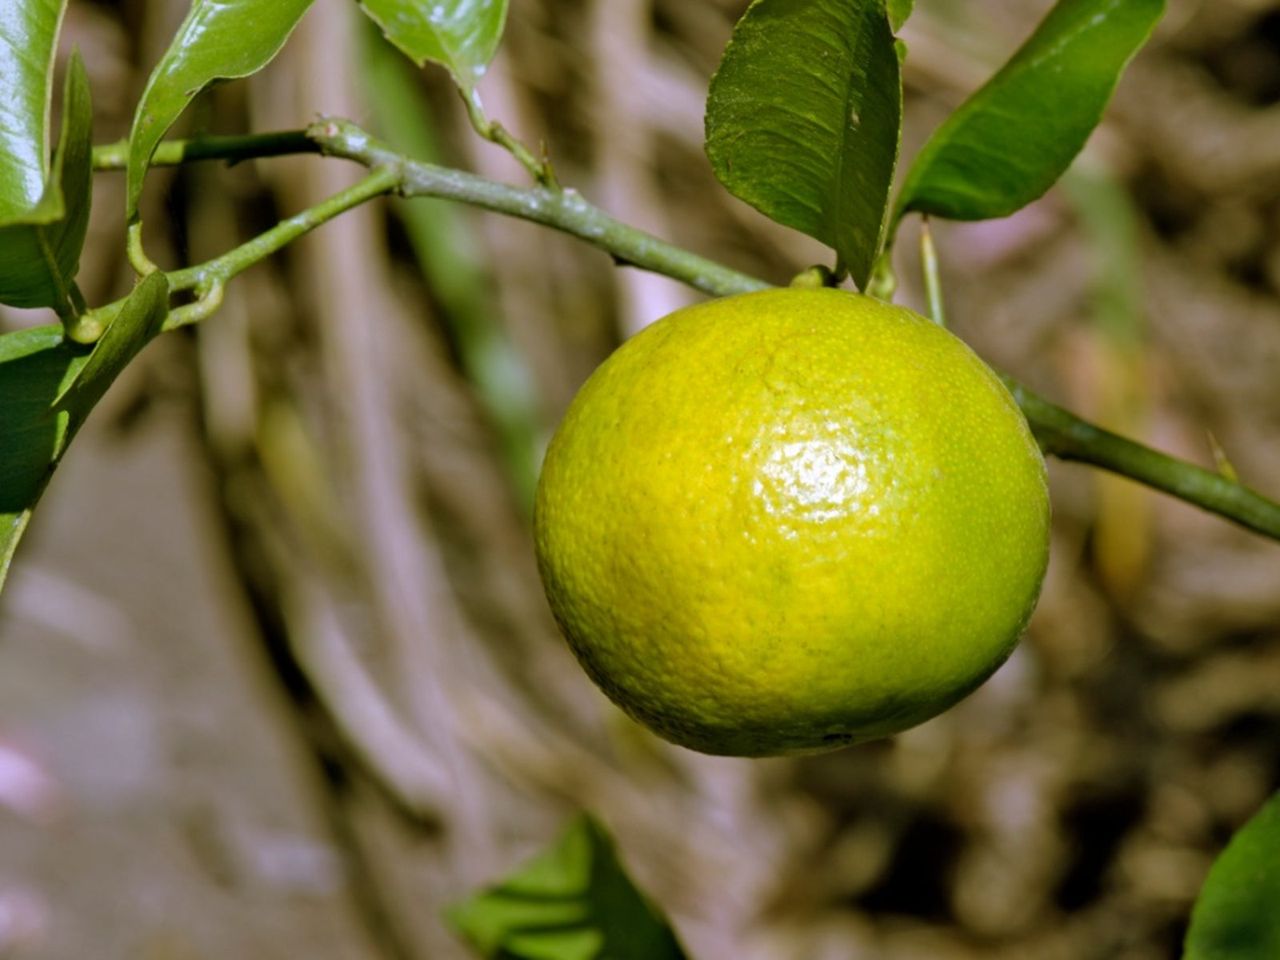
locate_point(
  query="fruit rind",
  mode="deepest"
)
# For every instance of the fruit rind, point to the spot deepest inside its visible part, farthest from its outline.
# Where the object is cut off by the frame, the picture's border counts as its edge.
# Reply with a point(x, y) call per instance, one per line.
point(787, 521)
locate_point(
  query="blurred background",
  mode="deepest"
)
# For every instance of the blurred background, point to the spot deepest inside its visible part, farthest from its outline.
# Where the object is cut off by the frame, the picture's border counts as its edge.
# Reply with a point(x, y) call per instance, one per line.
point(276, 675)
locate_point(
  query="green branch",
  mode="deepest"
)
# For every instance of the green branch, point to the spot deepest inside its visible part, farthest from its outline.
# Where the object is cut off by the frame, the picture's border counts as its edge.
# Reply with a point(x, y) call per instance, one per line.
point(1060, 432)
point(1067, 437)
point(171, 153)
point(565, 210)
point(207, 279)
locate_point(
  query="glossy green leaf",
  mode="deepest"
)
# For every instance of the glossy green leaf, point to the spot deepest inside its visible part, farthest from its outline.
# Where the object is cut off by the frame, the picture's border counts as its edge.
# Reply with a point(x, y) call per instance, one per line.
point(28, 40)
point(573, 902)
point(33, 365)
point(899, 12)
point(461, 35)
point(1009, 142)
point(219, 40)
point(40, 250)
point(1237, 915)
point(804, 116)
point(47, 388)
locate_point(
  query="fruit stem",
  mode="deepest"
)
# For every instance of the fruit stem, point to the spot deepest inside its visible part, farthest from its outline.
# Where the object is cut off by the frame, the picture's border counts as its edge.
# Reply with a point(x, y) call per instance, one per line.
point(815, 277)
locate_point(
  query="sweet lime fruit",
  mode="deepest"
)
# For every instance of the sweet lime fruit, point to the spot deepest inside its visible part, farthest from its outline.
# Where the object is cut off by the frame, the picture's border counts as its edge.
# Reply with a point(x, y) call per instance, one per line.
point(787, 521)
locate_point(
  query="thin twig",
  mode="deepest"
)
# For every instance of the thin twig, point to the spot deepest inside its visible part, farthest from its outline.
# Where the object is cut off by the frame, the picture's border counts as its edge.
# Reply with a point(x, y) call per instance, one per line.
point(495, 132)
point(214, 273)
point(171, 153)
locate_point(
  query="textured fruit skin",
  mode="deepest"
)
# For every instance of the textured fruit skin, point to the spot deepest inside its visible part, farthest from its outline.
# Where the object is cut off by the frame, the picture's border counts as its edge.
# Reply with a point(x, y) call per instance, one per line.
point(787, 521)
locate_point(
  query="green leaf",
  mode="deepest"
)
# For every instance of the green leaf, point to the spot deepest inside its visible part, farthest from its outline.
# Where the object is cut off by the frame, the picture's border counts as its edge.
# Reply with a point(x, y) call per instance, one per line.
point(40, 250)
point(28, 39)
point(573, 902)
point(1237, 916)
point(460, 35)
point(48, 385)
point(804, 117)
point(33, 365)
point(219, 40)
point(1009, 142)
point(899, 12)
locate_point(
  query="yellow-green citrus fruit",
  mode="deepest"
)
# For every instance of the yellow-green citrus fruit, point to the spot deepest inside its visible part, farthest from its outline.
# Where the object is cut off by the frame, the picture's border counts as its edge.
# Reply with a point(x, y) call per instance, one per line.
point(791, 520)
